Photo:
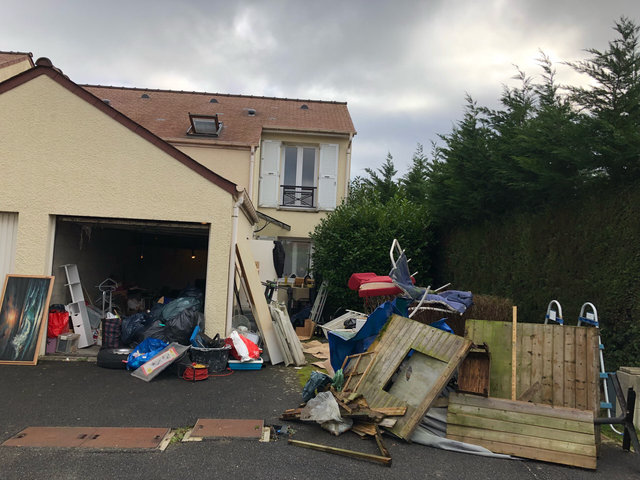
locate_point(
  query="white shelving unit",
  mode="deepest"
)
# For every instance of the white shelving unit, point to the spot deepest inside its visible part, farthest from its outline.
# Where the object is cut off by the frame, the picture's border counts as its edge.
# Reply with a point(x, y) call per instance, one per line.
point(78, 308)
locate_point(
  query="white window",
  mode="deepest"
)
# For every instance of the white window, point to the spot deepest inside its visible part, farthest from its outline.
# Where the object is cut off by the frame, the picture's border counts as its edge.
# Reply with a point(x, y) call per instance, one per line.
point(298, 176)
point(297, 257)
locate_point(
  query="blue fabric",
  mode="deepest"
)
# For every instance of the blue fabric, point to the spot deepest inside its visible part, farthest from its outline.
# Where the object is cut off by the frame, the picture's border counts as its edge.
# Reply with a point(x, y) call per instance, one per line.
point(339, 348)
point(442, 325)
point(401, 277)
point(144, 352)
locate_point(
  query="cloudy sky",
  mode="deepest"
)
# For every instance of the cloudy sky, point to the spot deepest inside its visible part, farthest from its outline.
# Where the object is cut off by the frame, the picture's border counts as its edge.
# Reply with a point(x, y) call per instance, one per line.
point(403, 66)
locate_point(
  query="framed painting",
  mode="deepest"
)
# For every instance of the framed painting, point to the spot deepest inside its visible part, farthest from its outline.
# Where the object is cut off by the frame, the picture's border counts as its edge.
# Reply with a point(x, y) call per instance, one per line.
point(24, 307)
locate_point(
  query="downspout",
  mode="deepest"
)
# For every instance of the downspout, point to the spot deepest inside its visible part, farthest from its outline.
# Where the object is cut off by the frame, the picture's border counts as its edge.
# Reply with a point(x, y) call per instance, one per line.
point(348, 172)
point(252, 163)
point(232, 261)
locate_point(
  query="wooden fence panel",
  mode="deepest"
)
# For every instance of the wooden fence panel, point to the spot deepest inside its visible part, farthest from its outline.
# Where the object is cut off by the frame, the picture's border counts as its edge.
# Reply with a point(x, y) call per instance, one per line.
point(561, 360)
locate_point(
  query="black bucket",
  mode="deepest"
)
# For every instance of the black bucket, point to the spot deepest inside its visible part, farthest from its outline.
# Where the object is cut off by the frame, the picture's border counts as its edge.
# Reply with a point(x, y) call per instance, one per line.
point(215, 358)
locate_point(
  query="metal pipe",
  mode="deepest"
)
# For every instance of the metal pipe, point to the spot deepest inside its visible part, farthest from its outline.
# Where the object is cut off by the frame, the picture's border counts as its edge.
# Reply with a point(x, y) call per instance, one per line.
point(232, 261)
point(252, 163)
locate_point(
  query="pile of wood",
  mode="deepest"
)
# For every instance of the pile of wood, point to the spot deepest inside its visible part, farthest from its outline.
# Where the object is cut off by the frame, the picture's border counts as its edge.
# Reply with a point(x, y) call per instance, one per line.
point(547, 376)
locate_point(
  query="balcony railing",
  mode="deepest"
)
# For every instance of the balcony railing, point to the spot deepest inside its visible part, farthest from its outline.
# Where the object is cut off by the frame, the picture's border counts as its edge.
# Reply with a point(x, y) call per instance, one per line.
point(298, 196)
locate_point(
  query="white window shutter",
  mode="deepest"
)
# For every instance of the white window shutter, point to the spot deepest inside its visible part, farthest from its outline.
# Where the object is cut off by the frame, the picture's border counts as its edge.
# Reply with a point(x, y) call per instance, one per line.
point(328, 176)
point(269, 174)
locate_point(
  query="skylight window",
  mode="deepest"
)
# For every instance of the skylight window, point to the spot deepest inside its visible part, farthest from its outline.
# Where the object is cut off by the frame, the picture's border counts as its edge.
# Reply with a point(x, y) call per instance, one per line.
point(207, 125)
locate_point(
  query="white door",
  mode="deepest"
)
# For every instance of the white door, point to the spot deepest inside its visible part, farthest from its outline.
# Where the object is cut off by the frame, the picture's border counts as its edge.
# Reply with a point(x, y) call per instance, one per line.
point(8, 237)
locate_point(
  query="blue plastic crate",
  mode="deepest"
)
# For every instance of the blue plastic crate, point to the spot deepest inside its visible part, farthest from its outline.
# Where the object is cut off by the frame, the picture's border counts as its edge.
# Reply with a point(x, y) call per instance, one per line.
point(252, 365)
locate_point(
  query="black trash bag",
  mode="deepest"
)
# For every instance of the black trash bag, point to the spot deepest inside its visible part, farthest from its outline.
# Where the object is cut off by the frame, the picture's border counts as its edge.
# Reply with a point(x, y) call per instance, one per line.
point(193, 292)
point(298, 319)
point(156, 311)
point(157, 330)
point(133, 328)
point(317, 381)
point(349, 323)
point(180, 327)
point(178, 305)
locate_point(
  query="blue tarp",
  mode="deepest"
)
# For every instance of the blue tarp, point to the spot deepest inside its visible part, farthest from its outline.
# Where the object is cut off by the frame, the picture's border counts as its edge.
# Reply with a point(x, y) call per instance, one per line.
point(340, 348)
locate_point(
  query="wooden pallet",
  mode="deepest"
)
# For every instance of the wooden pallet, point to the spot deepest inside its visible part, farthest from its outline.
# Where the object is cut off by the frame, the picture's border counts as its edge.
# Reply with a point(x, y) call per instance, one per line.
point(540, 432)
point(413, 364)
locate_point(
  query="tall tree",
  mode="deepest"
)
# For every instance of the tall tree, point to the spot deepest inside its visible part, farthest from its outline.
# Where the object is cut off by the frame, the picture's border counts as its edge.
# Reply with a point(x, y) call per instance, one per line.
point(382, 179)
point(414, 182)
point(613, 103)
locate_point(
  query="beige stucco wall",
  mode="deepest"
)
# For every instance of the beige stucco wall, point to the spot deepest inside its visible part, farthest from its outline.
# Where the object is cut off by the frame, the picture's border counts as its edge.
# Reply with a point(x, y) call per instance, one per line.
point(302, 222)
point(61, 156)
point(232, 164)
point(15, 69)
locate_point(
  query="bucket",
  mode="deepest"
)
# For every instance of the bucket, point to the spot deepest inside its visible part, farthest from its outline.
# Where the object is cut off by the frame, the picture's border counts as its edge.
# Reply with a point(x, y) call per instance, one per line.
point(215, 358)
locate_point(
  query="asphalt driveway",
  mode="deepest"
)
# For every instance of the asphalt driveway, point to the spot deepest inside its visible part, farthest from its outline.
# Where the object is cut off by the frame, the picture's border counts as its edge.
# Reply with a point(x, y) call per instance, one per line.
point(82, 394)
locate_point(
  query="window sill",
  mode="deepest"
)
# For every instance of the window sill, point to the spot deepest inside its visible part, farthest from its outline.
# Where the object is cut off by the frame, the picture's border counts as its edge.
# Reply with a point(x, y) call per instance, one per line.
point(297, 209)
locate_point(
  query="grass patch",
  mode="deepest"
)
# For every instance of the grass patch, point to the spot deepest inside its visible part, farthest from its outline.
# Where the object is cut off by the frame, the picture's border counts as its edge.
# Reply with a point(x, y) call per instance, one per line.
point(305, 372)
point(179, 434)
point(608, 432)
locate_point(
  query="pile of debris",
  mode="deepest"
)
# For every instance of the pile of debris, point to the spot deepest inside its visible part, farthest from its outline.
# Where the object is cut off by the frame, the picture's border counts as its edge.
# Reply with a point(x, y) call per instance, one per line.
point(426, 385)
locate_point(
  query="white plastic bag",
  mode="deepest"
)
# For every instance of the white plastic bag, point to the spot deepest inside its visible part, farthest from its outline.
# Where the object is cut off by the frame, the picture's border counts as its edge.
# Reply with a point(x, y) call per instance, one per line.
point(240, 347)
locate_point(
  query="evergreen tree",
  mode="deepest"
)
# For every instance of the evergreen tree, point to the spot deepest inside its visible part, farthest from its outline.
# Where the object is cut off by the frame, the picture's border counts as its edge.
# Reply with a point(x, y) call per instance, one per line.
point(613, 103)
point(414, 182)
point(381, 180)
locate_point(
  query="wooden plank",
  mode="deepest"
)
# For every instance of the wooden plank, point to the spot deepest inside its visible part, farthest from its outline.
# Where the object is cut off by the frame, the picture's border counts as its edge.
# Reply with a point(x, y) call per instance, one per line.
point(547, 365)
point(537, 340)
point(558, 366)
point(514, 352)
point(523, 440)
point(563, 458)
point(569, 367)
point(259, 305)
point(340, 451)
point(478, 420)
point(499, 404)
point(525, 358)
point(391, 411)
point(593, 371)
point(581, 369)
point(518, 417)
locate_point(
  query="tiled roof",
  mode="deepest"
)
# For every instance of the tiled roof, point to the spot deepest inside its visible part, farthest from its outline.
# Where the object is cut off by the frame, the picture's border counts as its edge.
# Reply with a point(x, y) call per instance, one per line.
point(166, 113)
point(9, 58)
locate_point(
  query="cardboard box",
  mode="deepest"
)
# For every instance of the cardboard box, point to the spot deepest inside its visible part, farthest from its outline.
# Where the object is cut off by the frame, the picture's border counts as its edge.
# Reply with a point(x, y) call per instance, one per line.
point(300, 293)
point(306, 332)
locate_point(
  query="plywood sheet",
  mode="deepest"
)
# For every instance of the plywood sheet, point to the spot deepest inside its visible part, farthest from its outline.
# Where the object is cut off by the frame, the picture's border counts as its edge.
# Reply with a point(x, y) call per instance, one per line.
point(561, 359)
point(259, 305)
point(412, 365)
point(227, 428)
point(541, 432)
point(89, 437)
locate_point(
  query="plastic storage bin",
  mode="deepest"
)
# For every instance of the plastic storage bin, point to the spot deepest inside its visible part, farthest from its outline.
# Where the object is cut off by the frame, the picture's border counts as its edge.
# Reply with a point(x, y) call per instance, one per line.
point(215, 358)
point(68, 343)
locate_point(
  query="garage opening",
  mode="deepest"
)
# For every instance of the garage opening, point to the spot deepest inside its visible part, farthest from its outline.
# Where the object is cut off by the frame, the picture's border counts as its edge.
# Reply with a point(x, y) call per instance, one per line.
point(147, 259)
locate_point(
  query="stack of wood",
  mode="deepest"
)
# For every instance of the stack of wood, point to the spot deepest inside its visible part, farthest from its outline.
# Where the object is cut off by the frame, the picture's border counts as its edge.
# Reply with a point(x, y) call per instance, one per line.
point(366, 423)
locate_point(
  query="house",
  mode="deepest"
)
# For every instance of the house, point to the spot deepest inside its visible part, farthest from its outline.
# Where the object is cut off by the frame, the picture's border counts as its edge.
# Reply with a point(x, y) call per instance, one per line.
point(153, 187)
point(82, 183)
point(292, 156)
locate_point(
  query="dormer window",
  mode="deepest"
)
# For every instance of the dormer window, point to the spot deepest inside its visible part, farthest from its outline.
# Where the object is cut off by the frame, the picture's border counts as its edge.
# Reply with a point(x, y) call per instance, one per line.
point(207, 125)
